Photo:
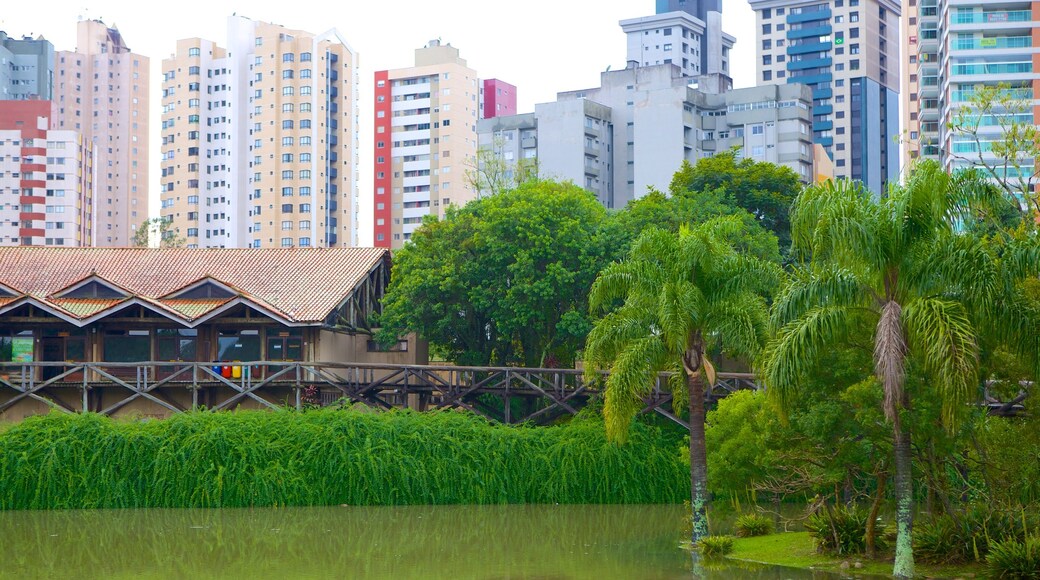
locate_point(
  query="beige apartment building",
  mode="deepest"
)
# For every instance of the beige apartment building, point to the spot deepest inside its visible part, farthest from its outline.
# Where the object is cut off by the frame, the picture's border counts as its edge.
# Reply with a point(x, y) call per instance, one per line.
point(425, 141)
point(101, 92)
point(259, 139)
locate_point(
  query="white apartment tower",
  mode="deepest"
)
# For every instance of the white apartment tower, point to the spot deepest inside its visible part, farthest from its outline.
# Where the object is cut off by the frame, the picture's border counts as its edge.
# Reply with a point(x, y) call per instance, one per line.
point(260, 139)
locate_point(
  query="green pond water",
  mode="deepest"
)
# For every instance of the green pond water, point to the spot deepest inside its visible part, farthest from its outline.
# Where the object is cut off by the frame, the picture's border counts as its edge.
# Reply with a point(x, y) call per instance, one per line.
point(451, 542)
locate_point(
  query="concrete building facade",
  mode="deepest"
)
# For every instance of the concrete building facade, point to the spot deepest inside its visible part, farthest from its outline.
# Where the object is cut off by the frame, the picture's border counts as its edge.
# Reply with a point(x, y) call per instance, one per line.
point(425, 141)
point(101, 91)
point(260, 139)
point(635, 130)
point(956, 47)
point(26, 68)
point(46, 188)
point(696, 46)
point(848, 52)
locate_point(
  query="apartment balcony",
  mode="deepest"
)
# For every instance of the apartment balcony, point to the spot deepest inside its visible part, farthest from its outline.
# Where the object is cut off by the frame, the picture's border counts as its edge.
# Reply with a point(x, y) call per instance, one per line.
point(929, 111)
point(929, 86)
point(965, 96)
point(991, 17)
point(809, 16)
point(822, 30)
point(928, 40)
point(994, 42)
point(991, 71)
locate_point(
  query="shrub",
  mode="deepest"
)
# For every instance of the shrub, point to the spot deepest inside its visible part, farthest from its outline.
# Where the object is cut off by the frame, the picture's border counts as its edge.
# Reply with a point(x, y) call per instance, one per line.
point(849, 524)
point(749, 525)
point(716, 546)
point(1014, 559)
point(945, 540)
point(938, 541)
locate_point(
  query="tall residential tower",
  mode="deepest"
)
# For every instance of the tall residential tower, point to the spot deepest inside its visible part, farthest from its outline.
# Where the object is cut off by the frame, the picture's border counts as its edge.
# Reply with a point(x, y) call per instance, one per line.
point(425, 140)
point(101, 91)
point(955, 47)
point(259, 139)
point(847, 51)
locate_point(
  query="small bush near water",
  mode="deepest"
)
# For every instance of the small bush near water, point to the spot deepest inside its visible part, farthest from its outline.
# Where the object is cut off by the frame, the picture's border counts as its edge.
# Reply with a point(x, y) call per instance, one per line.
point(843, 530)
point(750, 525)
point(327, 457)
point(1015, 560)
point(716, 546)
point(969, 537)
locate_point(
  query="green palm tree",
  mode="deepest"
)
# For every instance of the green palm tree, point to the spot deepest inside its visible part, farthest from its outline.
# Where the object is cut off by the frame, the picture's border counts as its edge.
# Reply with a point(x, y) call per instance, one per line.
point(900, 270)
point(675, 299)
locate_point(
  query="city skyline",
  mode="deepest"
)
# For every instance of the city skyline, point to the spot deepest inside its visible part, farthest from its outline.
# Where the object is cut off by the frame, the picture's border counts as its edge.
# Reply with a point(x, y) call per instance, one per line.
point(589, 42)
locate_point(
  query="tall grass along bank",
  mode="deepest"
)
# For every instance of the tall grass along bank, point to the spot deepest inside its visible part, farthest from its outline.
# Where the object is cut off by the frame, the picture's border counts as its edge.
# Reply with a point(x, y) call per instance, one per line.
point(327, 458)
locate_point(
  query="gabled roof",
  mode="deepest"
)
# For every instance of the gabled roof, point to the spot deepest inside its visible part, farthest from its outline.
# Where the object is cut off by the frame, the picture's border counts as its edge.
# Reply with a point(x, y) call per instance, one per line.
point(299, 286)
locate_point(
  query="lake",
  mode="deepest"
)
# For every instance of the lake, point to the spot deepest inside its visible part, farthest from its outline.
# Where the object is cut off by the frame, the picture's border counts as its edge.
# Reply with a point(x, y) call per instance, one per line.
point(429, 542)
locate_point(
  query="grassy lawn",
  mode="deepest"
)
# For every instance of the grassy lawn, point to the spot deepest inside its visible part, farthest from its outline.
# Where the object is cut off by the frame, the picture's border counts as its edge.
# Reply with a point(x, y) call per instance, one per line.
point(796, 550)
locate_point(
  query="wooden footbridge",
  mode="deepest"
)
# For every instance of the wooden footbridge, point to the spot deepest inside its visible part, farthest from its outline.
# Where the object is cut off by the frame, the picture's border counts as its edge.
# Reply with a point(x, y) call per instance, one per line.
point(504, 394)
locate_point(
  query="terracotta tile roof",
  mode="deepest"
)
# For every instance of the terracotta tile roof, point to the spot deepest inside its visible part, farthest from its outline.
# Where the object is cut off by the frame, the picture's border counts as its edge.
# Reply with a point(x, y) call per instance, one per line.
point(5, 300)
point(84, 307)
point(302, 285)
point(192, 309)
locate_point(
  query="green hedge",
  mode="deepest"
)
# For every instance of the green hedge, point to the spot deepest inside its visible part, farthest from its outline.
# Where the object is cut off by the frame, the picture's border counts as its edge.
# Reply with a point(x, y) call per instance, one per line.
point(327, 457)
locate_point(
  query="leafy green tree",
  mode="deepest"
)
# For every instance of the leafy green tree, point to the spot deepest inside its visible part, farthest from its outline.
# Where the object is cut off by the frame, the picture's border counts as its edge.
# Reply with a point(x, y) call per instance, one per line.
point(169, 236)
point(682, 296)
point(765, 190)
point(503, 280)
point(898, 271)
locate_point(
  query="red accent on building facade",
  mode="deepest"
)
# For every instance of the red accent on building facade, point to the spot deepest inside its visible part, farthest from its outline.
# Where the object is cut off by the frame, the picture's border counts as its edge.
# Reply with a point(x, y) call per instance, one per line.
point(382, 160)
point(499, 99)
point(22, 115)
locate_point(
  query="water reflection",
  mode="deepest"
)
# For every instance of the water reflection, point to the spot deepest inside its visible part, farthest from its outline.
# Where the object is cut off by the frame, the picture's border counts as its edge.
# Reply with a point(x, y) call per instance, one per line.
point(496, 542)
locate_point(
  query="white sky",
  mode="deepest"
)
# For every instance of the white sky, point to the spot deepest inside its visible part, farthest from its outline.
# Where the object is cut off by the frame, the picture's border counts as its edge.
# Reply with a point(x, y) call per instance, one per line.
point(541, 46)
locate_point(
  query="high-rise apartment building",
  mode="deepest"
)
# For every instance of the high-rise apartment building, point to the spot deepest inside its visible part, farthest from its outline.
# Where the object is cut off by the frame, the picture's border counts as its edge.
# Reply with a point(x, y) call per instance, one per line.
point(101, 91)
point(634, 131)
point(259, 139)
point(686, 33)
point(848, 52)
point(26, 68)
point(46, 192)
point(425, 142)
point(956, 46)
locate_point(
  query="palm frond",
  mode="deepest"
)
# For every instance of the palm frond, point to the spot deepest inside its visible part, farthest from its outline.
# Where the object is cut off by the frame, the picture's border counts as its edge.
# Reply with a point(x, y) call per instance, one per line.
point(631, 378)
point(940, 331)
point(794, 350)
point(890, 358)
point(826, 283)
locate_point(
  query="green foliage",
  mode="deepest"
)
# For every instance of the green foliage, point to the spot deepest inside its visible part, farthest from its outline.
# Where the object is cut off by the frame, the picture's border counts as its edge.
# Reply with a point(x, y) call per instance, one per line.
point(765, 190)
point(842, 530)
point(750, 525)
point(716, 546)
point(938, 542)
point(742, 434)
point(1008, 455)
point(503, 280)
point(169, 236)
point(971, 535)
point(327, 457)
point(1015, 559)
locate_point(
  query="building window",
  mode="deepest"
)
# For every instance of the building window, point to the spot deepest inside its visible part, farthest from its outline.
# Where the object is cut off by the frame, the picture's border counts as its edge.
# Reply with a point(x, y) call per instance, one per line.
point(286, 225)
point(287, 192)
point(288, 57)
point(286, 242)
point(305, 57)
point(193, 52)
point(287, 91)
point(287, 74)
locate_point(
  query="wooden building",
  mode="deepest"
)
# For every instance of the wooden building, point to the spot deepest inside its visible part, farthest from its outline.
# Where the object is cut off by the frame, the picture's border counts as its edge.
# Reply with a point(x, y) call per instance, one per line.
point(129, 306)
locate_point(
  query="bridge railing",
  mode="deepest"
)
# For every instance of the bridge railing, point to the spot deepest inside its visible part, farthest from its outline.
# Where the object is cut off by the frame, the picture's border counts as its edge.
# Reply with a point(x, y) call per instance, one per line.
point(507, 394)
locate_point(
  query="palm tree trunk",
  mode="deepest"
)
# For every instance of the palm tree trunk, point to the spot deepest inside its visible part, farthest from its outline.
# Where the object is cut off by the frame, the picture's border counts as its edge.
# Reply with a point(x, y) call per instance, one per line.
point(698, 457)
point(904, 566)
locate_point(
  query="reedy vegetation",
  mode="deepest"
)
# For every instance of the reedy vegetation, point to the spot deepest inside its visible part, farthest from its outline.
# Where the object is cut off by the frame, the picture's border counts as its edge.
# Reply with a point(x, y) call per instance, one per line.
point(314, 458)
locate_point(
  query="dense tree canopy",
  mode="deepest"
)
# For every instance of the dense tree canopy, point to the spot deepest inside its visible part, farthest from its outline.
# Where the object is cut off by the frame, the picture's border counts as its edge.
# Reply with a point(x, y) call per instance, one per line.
point(765, 190)
point(503, 280)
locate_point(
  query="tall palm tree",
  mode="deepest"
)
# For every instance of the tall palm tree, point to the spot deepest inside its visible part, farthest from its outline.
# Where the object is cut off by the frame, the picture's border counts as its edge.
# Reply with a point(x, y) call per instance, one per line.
point(675, 299)
point(896, 268)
